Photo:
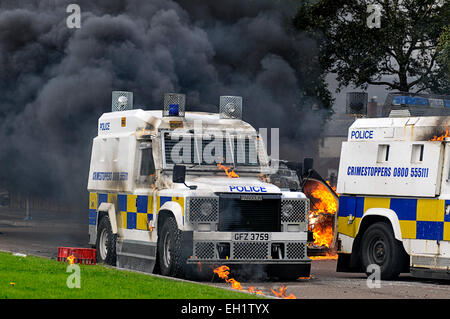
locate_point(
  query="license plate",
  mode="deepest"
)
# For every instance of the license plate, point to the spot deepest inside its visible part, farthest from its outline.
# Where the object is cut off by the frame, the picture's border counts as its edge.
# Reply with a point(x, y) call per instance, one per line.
point(251, 236)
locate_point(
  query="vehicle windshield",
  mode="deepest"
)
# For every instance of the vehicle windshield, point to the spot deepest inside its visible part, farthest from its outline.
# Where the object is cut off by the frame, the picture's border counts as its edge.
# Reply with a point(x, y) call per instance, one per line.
point(242, 152)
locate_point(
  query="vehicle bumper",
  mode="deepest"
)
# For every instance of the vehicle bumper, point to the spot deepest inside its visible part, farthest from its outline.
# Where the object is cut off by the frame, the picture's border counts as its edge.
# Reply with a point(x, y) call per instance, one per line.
point(222, 247)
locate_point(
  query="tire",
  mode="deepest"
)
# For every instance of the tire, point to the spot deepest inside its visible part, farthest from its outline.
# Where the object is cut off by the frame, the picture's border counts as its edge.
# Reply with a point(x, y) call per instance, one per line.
point(106, 243)
point(380, 247)
point(170, 253)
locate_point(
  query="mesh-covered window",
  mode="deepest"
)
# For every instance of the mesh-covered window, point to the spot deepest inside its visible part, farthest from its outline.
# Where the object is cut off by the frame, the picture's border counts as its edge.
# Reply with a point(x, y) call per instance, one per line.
point(147, 163)
point(212, 150)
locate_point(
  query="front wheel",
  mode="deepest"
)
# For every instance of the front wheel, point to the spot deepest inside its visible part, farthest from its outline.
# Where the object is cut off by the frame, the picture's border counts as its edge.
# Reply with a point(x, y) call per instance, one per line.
point(170, 250)
point(380, 247)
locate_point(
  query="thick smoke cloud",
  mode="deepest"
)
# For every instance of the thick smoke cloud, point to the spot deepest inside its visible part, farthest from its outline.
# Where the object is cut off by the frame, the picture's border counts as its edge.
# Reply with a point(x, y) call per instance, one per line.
point(55, 82)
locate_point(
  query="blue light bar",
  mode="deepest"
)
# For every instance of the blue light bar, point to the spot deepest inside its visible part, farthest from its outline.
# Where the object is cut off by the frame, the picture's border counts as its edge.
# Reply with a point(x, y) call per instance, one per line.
point(447, 103)
point(174, 110)
point(410, 100)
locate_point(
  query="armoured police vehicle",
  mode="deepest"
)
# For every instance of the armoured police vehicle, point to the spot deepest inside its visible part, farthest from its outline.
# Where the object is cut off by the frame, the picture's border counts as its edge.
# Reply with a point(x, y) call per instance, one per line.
point(171, 190)
point(394, 205)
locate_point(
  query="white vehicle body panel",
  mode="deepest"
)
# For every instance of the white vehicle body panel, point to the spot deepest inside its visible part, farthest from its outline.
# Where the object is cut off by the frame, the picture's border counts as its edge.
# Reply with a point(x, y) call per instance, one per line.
point(394, 168)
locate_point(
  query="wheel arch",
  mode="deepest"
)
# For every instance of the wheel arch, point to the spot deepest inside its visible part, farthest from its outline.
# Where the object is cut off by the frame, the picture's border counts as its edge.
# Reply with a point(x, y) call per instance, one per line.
point(374, 215)
point(108, 209)
point(173, 209)
point(104, 209)
point(163, 214)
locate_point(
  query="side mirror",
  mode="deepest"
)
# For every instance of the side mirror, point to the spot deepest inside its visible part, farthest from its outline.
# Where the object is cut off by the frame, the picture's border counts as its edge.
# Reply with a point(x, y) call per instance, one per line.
point(179, 174)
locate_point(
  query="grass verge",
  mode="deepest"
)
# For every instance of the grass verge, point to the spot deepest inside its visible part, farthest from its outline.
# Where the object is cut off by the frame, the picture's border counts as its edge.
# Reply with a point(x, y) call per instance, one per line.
point(40, 278)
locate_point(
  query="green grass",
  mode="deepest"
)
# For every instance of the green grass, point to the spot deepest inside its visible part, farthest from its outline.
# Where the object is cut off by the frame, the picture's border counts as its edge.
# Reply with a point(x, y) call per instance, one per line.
point(34, 277)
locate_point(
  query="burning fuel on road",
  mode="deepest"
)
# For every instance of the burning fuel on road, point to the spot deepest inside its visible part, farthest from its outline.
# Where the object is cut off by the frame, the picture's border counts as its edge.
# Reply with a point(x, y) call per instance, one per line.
point(224, 271)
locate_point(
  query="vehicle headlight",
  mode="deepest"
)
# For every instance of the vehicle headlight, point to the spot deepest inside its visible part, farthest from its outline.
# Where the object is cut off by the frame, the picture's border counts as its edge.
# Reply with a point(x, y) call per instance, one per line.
point(206, 208)
point(294, 210)
point(287, 210)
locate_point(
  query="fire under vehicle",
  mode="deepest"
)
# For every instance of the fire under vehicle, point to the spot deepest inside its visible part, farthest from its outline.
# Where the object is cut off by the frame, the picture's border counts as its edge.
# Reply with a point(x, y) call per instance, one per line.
point(170, 190)
point(394, 204)
point(323, 201)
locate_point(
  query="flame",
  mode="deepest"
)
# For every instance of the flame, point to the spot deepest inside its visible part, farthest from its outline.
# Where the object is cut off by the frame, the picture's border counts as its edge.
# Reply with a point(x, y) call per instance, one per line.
point(71, 259)
point(442, 137)
point(254, 290)
point(327, 202)
point(224, 271)
point(323, 208)
point(231, 174)
point(281, 293)
point(332, 187)
point(327, 256)
point(235, 284)
point(322, 228)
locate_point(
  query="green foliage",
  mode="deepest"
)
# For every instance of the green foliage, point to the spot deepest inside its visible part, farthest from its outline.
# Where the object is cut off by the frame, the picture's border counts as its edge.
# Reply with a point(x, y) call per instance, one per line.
point(444, 48)
point(400, 54)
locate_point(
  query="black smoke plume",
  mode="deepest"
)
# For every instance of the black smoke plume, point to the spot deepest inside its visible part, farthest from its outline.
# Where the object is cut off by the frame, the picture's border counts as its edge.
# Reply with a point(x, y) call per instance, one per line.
point(55, 82)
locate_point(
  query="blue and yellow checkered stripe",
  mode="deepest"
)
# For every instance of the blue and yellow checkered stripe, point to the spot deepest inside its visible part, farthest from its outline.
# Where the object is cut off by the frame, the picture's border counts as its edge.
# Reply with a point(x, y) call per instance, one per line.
point(419, 218)
point(135, 210)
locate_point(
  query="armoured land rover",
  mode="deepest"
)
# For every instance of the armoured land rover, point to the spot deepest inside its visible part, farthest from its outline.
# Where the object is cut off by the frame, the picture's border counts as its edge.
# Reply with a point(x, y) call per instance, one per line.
point(170, 190)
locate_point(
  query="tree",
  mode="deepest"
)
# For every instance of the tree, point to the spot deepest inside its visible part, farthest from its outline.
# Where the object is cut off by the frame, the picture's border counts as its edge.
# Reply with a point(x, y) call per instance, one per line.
point(401, 53)
point(444, 49)
point(443, 60)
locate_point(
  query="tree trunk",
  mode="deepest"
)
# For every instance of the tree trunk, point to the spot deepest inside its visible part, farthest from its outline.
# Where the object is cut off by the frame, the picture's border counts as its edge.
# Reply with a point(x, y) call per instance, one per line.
point(403, 79)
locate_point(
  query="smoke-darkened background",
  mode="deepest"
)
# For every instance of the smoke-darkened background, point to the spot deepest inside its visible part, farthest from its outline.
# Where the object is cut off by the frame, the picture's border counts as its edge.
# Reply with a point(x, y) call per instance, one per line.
point(55, 82)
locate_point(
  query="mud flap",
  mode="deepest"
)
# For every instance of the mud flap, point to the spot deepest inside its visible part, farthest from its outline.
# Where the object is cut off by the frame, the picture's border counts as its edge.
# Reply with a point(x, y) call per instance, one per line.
point(187, 239)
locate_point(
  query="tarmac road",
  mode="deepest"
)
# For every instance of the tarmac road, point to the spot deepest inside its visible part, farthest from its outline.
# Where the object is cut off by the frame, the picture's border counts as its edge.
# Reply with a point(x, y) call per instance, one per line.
point(47, 231)
point(44, 233)
point(326, 283)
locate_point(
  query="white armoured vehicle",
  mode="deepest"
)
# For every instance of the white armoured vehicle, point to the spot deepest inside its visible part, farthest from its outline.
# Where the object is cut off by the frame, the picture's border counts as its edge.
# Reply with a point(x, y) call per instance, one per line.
point(394, 204)
point(171, 189)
